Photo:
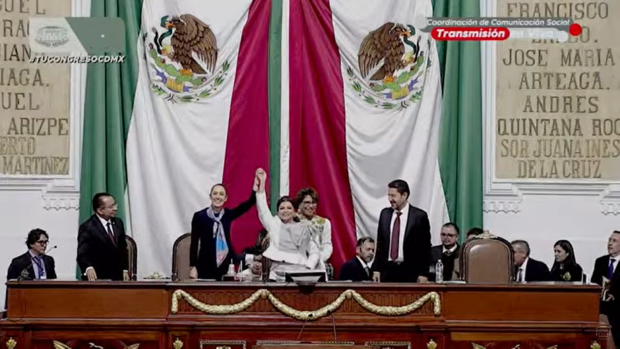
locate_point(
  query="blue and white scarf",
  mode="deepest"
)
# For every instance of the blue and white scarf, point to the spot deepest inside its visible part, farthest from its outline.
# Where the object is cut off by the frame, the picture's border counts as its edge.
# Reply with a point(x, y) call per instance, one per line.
point(221, 246)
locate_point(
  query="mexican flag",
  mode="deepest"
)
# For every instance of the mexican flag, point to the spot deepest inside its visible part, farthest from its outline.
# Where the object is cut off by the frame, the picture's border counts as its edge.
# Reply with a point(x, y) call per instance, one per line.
point(340, 95)
point(361, 106)
point(199, 118)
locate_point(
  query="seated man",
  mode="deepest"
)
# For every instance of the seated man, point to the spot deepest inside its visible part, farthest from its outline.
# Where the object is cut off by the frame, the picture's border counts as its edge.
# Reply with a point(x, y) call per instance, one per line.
point(448, 251)
point(34, 264)
point(254, 272)
point(528, 269)
point(358, 268)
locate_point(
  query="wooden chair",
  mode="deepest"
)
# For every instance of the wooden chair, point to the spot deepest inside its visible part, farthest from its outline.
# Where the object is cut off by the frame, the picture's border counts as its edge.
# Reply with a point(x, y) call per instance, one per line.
point(180, 257)
point(132, 254)
point(487, 259)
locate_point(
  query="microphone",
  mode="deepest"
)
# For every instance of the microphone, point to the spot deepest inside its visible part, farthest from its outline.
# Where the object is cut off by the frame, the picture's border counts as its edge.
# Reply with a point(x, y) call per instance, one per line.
point(25, 275)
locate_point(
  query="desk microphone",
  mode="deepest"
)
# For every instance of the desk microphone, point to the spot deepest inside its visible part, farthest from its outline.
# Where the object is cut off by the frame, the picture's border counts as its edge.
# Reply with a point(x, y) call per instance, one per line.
point(25, 275)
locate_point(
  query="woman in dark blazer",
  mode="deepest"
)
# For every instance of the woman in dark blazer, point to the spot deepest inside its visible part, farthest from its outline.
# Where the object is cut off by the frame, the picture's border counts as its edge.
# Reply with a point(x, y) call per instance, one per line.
point(565, 267)
point(211, 249)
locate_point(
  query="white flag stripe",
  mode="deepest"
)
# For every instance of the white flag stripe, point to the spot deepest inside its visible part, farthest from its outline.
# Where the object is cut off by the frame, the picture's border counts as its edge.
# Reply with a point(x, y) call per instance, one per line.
point(390, 137)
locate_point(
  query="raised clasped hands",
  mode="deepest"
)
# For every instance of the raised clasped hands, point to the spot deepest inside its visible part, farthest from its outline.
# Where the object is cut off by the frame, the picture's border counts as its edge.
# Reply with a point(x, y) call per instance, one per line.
point(259, 180)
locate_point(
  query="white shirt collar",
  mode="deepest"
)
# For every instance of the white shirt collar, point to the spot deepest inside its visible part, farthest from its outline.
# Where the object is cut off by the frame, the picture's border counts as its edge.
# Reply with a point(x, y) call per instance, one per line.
point(524, 265)
point(452, 249)
point(364, 264)
point(405, 210)
point(104, 222)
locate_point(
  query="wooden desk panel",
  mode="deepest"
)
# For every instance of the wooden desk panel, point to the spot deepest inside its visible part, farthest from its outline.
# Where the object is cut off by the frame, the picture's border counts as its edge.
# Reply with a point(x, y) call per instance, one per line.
point(118, 314)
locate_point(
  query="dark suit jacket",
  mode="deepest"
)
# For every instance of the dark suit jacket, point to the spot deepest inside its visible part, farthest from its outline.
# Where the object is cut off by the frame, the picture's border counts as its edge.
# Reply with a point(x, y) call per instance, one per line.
point(24, 262)
point(575, 273)
point(416, 245)
point(202, 235)
point(353, 270)
point(448, 262)
point(601, 266)
point(536, 271)
point(96, 249)
point(18, 264)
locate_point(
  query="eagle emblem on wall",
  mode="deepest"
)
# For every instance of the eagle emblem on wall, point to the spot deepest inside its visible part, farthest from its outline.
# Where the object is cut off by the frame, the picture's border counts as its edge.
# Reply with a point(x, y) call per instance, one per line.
point(183, 55)
point(391, 63)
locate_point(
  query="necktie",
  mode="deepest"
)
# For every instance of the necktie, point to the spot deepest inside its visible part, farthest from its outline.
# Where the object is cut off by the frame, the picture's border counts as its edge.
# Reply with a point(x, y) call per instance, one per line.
point(395, 237)
point(39, 262)
point(520, 276)
point(610, 269)
point(367, 270)
point(110, 234)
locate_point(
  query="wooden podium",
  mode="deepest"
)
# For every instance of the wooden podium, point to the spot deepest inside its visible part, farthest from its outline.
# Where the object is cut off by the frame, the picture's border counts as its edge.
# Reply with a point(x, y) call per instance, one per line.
point(152, 314)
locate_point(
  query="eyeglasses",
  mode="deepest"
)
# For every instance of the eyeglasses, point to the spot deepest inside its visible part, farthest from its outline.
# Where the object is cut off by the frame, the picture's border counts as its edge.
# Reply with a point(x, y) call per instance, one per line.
point(309, 202)
point(43, 242)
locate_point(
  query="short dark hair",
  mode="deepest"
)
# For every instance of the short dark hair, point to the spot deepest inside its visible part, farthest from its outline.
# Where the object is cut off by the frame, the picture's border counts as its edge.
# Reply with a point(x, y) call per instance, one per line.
point(34, 235)
point(456, 227)
point(361, 241)
point(401, 186)
point(98, 200)
point(301, 195)
point(475, 231)
point(523, 244)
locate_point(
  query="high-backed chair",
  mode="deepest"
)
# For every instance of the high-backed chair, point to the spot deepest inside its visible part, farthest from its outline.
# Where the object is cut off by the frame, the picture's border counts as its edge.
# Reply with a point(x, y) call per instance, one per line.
point(180, 257)
point(487, 259)
point(132, 254)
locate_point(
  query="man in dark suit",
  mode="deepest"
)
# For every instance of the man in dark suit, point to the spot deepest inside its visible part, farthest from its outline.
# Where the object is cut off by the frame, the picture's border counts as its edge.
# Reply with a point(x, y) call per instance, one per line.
point(102, 248)
point(607, 266)
point(403, 239)
point(528, 269)
point(448, 251)
point(34, 264)
point(357, 268)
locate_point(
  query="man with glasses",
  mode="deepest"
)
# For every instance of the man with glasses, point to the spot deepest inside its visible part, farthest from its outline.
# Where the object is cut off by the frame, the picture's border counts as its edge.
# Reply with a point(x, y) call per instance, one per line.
point(448, 251)
point(34, 264)
point(102, 245)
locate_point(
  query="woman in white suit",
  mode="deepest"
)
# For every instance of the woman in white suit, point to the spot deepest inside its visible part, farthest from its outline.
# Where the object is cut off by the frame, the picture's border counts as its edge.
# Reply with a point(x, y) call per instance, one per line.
point(292, 246)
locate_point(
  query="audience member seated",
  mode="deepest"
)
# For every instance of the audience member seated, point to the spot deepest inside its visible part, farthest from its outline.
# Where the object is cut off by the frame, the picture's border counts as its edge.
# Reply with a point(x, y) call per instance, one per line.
point(358, 268)
point(34, 264)
point(565, 267)
point(255, 270)
point(448, 251)
point(291, 246)
point(606, 268)
point(528, 269)
point(259, 247)
point(456, 274)
point(211, 231)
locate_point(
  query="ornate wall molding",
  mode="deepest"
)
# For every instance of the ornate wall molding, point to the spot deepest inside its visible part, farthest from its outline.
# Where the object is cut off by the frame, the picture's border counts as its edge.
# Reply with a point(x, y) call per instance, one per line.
point(61, 192)
point(506, 196)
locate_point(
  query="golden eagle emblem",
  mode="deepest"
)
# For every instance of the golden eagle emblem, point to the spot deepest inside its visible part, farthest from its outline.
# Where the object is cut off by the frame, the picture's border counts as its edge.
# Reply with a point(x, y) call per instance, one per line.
point(391, 63)
point(191, 35)
point(184, 59)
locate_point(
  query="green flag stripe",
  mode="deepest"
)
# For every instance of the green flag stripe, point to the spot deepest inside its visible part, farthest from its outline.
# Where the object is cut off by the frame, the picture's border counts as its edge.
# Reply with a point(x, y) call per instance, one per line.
point(460, 152)
point(108, 106)
point(275, 89)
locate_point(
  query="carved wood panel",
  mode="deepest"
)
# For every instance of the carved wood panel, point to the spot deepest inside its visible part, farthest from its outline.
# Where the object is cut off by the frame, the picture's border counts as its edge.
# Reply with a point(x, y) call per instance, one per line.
point(94, 344)
point(303, 302)
point(512, 345)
